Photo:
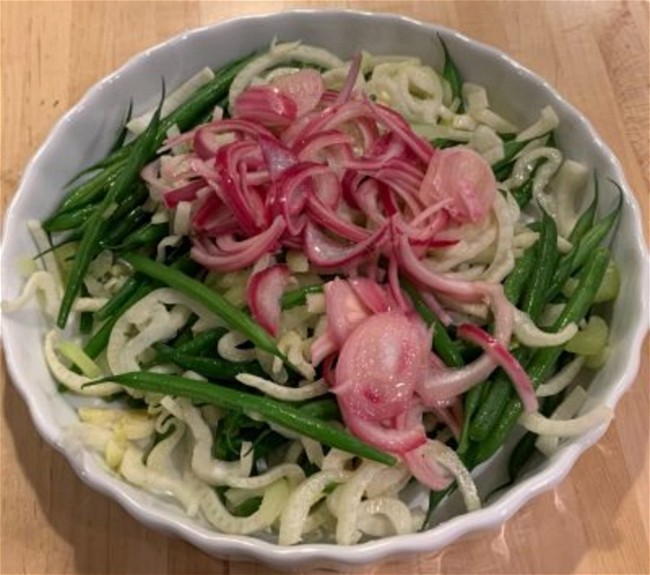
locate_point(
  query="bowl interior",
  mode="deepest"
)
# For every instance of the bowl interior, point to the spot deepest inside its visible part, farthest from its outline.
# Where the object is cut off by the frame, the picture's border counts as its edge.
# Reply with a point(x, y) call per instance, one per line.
point(86, 132)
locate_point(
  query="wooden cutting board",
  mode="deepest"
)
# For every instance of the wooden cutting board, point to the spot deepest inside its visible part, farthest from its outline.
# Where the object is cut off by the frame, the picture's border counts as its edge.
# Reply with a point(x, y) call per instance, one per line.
point(595, 53)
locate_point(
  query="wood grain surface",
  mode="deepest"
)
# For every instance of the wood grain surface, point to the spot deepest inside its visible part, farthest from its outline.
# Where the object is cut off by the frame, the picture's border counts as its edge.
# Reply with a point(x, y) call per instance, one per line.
point(595, 53)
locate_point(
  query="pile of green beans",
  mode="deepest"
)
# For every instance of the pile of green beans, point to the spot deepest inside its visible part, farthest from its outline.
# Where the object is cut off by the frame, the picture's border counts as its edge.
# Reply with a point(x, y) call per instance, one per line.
point(105, 209)
point(493, 408)
point(99, 220)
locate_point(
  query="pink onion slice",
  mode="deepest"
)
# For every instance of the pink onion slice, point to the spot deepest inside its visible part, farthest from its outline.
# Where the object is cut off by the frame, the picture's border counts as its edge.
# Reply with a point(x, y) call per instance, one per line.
point(394, 287)
point(232, 189)
point(266, 105)
point(311, 147)
point(208, 207)
point(304, 87)
point(205, 143)
point(351, 79)
point(327, 188)
point(185, 193)
point(441, 385)
point(325, 252)
point(495, 349)
point(414, 268)
point(380, 364)
point(207, 255)
point(276, 156)
point(393, 121)
point(423, 467)
point(436, 307)
point(329, 219)
point(371, 294)
point(462, 175)
point(388, 438)
point(344, 309)
point(323, 346)
point(263, 294)
point(447, 416)
point(426, 469)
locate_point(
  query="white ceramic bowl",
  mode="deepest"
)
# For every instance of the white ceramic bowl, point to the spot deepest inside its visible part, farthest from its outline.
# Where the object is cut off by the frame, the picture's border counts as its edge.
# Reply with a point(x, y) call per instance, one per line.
point(84, 135)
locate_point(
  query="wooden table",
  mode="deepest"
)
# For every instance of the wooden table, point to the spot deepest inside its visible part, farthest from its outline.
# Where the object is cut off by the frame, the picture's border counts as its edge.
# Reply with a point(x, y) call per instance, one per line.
point(595, 53)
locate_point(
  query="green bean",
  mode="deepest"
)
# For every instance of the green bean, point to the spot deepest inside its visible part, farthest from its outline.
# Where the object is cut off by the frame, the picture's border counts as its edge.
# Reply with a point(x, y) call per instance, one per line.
point(247, 507)
point(204, 99)
point(546, 256)
point(149, 234)
point(202, 342)
point(503, 168)
point(323, 408)
point(562, 274)
point(183, 336)
point(86, 192)
point(210, 367)
point(517, 279)
point(596, 235)
point(442, 143)
point(298, 296)
point(444, 346)
point(442, 343)
point(452, 75)
point(435, 497)
point(524, 194)
point(493, 405)
point(134, 197)
point(117, 144)
point(234, 318)
point(85, 323)
point(69, 220)
point(544, 359)
point(76, 219)
point(510, 149)
point(124, 227)
point(98, 342)
point(124, 132)
point(96, 226)
point(129, 287)
point(525, 447)
point(239, 401)
point(521, 454)
point(586, 219)
point(591, 239)
point(471, 402)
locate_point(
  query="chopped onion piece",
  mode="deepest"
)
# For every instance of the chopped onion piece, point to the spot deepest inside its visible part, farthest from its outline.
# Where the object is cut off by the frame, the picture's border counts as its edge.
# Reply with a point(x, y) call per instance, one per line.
point(283, 392)
point(548, 444)
point(309, 492)
point(562, 378)
point(541, 425)
point(531, 336)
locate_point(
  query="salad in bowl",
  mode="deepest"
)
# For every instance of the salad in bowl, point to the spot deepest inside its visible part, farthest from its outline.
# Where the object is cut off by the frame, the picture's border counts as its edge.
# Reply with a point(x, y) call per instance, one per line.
point(309, 296)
